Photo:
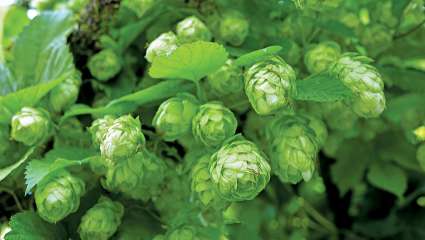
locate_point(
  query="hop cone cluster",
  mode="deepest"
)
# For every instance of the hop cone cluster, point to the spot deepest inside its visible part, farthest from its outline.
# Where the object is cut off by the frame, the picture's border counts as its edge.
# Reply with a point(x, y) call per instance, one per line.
point(102, 220)
point(173, 118)
point(30, 125)
point(239, 170)
point(213, 124)
point(364, 81)
point(293, 148)
point(59, 196)
point(270, 85)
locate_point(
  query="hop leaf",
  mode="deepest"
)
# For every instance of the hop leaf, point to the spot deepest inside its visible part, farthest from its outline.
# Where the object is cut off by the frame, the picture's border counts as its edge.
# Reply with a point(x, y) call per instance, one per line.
point(58, 196)
point(30, 125)
point(102, 220)
point(213, 124)
point(239, 170)
point(270, 85)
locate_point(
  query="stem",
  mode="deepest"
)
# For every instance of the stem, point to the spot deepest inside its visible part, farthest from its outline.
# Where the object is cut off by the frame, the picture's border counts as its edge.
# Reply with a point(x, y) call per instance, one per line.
point(199, 93)
point(15, 198)
point(316, 215)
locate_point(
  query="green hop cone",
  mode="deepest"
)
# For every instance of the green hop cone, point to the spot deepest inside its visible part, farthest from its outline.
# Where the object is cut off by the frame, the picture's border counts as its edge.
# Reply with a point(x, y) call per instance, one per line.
point(297, 27)
point(270, 85)
point(319, 128)
point(213, 124)
point(123, 139)
point(30, 125)
point(139, 7)
point(58, 196)
point(173, 118)
point(64, 95)
point(192, 29)
point(364, 81)
point(239, 170)
point(99, 127)
point(138, 177)
point(104, 65)
point(293, 149)
point(321, 56)
point(228, 79)
point(102, 220)
point(203, 186)
point(163, 45)
point(234, 28)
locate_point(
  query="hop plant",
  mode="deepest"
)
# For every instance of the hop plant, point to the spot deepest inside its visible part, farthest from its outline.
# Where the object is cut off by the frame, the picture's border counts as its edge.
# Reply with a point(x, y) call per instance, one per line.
point(192, 29)
point(139, 7)
point(123, 139)
point(234, 28)
point(364, 81)
point(64, 95)
point(213, 124)
point(173, 118)
point(102, 220)
point(163, 45)
point(30, 125)
point(293, 149)
point(270, 85)
point(104, 65)
point(321, 56)
point(203, 186)
point(239, 170)
point(138, 177)
point(58, 196)
point(99, 127)
point(228, 79)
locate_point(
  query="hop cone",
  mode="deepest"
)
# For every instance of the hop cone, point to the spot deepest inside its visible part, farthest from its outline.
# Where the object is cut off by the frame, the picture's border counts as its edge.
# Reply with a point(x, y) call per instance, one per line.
point(104, 65)
point(59, 196)
point(173, 118)
point(99, 128)
point(270, 85)
point(122, 139)
point(30, 126)
point(320, 57)
point(213, 124)
point(203, 186)
point(234, 28)
point(364, 81)
point(293, 149)
point(192, 29)
point(163, 45)
point(226, 80)
point(65, 94)
point(239, 170)
point(102, 220)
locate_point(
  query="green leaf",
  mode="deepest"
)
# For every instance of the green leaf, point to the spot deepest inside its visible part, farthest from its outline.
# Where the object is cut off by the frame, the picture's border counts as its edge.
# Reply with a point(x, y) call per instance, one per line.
point(353, 159)
point(8, 170)
point(337, 28)
point(397, 107)
point(398, 7)
point(27, 97)
point(15, 20)
point(388, 177)
point(132, 101)
point(28, 225)
point(257, 55)
point(191, 61)
point(406, 79)
point(6, 80)
point(40, 53)
point(322, 88)
point(55, 160)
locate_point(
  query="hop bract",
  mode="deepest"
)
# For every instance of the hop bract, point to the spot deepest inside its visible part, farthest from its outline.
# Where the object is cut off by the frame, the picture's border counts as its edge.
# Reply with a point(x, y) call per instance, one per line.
point(30, 126)
point(192, 29)
point(102, 220)
point(227, 79)
point(163, 45)
point(59, 196)
point(65, 94)
point(104, 65)
point(234, 28)
point(320, 57)
point(364, 81)
point(239, 170)
point(123, 139)
point(213, 124)
point(293, 149)
point(173, 118)
point(270, 85)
